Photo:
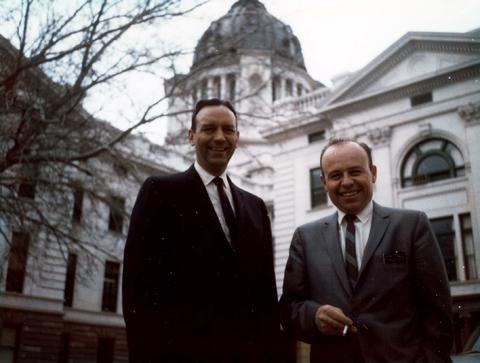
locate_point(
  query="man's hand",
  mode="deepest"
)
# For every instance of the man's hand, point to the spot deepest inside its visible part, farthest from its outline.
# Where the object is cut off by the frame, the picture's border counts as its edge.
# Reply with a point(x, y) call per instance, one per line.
point(331, 320)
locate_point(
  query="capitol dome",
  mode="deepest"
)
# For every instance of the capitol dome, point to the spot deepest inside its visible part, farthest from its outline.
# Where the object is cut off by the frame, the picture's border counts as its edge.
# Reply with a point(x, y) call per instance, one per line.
point(248, 25)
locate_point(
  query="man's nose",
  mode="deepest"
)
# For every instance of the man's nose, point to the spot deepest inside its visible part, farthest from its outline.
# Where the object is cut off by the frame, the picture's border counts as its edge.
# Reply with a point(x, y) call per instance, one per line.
point(219, 135)
point(347, 180)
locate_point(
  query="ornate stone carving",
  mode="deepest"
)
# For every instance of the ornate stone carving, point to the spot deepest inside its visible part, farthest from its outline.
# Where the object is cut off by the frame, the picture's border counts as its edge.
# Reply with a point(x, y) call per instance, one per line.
point(470, 112)
point(380, 135)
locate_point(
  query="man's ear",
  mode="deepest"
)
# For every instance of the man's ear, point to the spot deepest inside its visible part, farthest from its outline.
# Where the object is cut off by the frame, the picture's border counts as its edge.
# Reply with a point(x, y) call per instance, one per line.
point(190, 137)
point(322, 179)
point(373, 170)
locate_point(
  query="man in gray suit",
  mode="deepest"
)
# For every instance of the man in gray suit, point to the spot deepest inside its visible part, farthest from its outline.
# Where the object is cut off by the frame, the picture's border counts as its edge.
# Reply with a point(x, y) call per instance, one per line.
point(367, 283)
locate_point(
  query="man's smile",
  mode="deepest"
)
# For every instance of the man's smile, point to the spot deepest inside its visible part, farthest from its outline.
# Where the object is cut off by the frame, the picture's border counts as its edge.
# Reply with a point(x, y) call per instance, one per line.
point(349, 193)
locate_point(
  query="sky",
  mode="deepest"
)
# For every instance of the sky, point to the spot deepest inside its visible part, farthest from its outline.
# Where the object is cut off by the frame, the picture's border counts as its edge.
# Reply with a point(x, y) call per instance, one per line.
point(336, 36)
point(344, 35)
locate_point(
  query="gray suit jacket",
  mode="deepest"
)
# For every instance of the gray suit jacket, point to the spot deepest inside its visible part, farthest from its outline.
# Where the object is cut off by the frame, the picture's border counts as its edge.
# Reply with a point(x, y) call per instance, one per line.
point(401, 303)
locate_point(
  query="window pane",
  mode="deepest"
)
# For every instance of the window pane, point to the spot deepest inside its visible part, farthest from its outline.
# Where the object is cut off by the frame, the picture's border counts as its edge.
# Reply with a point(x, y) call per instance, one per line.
point(455, 154)
point(443, 229)
point(8, 344)
point(70, 280)
point(429, 145)
point(115, 222)
point(77, 205)
point(316, 136)
point(434, 167)
point(17, 262)
point(318, 195)
point(289, 87)
point(438, 159)
point(27, 189)
point(408, 166)
point(110, 286)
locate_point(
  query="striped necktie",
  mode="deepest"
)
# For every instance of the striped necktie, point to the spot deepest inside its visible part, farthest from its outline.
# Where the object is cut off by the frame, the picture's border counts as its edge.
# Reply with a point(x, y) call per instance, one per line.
point(350, 252)
point(226, 207)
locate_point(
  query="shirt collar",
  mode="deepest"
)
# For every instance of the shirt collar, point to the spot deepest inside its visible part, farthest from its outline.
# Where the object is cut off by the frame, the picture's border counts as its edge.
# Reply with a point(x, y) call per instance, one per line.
point(207, 177)
point(363, 216)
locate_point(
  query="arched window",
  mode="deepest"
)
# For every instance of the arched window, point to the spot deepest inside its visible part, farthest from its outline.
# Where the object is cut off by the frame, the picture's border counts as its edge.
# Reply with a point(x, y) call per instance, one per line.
point(432, 160)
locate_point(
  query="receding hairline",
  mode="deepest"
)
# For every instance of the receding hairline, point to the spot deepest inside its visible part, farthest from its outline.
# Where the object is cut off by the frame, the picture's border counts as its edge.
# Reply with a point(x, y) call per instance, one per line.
point(342, 141)
point(211, 102)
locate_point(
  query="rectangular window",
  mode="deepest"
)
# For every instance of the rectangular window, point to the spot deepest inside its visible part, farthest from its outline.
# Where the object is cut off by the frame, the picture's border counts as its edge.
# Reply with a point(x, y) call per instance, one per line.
point(421, 99)
point(289, 88)
point(77, 205)
point(17, 262)
point(64, 348)
point(443, 229)
point(468, 247)
point(105, 350)
point(121, 169)
point(275, 88)
point(110, 286)
point(8, 344)
point(26, 189)
point(318, 195)
point(115, 221)
point(316, 136)
point(70, 280)
point(299, 90)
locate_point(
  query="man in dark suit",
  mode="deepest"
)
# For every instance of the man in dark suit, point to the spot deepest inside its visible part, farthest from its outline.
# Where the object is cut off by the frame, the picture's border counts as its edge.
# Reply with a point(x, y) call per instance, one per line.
point(368, 283)
point(198, 281)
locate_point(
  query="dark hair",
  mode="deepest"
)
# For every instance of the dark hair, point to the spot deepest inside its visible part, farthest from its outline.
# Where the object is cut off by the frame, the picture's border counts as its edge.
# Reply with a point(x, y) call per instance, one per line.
point(210, 102)
point(343, 140)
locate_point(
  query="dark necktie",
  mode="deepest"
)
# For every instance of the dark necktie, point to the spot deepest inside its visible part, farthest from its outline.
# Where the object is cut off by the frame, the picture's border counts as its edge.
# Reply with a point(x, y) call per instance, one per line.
point(226, 207)
point(350, 252)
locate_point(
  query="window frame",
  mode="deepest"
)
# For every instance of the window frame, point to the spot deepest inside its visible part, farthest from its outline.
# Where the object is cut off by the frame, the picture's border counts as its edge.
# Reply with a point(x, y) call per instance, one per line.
point(17, 262)
point(414, 178)
point(314, 202)
point(110, 286)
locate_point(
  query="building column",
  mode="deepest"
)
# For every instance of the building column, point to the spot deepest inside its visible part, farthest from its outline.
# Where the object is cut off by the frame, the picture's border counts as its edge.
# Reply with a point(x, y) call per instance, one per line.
point(210, 91)
point(379, 139)
point(223, 86)
point(470, 114)
point(283, 88)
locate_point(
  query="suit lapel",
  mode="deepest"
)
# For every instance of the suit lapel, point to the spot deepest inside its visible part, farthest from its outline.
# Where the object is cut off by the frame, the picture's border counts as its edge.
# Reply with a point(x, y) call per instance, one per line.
point(380, 221)
point(332, 239)
point(238, 201)
point(240, 210)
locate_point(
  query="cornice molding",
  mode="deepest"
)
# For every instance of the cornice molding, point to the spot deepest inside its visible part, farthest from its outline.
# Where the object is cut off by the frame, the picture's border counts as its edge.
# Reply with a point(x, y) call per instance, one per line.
point(406, 90)
point(384, 65)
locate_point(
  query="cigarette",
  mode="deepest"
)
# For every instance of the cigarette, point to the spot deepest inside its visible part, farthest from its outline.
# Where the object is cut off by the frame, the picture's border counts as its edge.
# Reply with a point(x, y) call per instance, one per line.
point(345, 330)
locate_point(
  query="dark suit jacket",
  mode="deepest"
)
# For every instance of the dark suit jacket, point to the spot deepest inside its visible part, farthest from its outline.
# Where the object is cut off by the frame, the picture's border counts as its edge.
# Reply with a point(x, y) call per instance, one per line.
point(187, 296)
point(400, 304)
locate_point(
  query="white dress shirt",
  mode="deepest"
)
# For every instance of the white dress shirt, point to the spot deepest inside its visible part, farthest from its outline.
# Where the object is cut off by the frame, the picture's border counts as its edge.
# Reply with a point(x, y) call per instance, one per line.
point(212, 191)
point(363, 225)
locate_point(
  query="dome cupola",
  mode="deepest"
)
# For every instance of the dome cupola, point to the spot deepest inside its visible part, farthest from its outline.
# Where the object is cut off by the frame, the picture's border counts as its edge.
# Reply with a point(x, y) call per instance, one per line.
point(247, 25)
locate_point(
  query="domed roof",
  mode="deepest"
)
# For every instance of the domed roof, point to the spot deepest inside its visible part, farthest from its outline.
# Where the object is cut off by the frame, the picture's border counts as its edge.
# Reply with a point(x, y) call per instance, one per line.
point(248, 25)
